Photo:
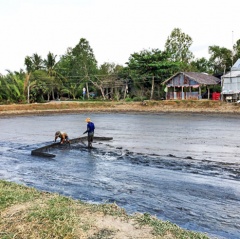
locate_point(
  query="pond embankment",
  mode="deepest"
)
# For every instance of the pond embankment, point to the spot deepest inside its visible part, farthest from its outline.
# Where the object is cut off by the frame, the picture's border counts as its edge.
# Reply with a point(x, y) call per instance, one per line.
point(58, 107)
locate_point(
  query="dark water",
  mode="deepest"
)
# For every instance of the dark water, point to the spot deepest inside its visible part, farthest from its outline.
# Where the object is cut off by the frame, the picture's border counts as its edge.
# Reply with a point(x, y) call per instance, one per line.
point(184, 168)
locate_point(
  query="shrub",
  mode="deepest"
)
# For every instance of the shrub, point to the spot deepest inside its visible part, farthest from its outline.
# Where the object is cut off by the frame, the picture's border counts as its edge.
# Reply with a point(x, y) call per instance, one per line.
point(128, 99)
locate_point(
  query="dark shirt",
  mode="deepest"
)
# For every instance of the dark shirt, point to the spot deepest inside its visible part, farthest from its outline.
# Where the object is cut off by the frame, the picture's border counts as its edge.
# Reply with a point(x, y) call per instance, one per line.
point(90, 127)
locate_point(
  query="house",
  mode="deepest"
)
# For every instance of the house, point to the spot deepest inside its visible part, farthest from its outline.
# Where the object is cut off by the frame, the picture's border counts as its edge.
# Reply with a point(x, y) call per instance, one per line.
point(189, 85)
point(115, 88)
point(231, 83)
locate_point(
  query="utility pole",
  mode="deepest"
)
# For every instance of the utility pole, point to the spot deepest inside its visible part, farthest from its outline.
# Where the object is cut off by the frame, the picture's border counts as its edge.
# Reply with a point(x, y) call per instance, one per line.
point(232, 48)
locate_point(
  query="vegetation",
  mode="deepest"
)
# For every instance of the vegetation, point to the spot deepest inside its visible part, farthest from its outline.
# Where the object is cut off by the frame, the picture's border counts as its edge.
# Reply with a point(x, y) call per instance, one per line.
point(147, 67)
point(28, 213)
point(48, 79)
point(177, 45)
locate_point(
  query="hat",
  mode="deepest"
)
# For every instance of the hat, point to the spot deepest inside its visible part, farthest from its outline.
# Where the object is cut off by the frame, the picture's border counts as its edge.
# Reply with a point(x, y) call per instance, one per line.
point(57, 133)
point(87, 119)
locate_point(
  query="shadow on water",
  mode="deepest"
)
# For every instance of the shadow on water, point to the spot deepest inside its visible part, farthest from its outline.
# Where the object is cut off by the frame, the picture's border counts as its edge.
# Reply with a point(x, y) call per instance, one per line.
point(178, 170)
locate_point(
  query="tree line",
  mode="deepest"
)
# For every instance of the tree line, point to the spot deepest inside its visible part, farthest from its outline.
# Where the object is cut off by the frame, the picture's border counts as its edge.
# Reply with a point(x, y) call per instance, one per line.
point(47, 79)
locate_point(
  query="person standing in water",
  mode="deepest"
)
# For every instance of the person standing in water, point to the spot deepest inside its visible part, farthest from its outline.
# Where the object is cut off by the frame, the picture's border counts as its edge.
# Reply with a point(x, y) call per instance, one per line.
point(90, 131)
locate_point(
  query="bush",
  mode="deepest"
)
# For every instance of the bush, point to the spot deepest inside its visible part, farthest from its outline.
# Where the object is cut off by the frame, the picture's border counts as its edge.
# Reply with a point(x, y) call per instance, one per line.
point(128, 99)
point(137, 98)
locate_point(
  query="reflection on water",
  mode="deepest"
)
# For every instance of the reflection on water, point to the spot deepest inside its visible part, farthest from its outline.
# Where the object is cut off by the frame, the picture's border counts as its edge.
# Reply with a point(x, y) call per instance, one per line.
point(181, 168)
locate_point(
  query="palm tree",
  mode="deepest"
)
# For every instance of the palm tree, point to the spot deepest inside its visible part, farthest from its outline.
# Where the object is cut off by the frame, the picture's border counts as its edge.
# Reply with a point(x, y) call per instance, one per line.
point(30, 68)
point(49, 65)
point(37, 62)
point(13, 86)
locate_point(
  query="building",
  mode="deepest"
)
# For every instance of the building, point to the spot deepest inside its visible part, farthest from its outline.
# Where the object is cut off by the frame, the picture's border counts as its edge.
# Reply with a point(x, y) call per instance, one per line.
point(231, 83)
point(115, 88)
point(189, 85)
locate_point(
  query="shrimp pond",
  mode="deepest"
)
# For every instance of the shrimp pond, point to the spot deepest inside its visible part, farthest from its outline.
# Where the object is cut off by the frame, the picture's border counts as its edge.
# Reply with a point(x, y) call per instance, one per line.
point(184, 168)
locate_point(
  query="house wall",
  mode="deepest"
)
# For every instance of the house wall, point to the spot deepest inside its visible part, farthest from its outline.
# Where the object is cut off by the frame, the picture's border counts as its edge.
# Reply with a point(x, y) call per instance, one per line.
point(231, 85)
point(181, 80)
point(181, 87)
point(182, 95)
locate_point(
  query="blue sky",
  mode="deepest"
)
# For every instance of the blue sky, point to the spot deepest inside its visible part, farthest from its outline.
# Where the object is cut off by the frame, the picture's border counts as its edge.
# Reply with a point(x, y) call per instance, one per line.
point(114, 28)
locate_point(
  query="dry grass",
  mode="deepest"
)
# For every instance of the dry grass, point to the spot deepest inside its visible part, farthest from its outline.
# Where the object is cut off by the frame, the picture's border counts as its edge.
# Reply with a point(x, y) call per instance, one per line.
point(198, 106)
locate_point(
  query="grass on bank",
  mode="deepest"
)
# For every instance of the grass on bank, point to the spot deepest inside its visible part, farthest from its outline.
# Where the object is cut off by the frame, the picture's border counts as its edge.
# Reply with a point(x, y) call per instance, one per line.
point(28, 213)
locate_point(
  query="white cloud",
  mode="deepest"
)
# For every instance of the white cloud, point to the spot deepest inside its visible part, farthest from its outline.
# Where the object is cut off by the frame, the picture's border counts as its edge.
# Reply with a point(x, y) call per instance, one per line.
point(114, 28)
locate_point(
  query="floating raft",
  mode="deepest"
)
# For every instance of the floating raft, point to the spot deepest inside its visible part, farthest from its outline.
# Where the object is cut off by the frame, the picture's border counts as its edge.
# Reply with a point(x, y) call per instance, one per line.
point(44, 151)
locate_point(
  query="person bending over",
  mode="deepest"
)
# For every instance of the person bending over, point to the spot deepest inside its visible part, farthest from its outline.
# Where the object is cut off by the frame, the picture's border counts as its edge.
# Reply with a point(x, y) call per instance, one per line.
point(63, 136)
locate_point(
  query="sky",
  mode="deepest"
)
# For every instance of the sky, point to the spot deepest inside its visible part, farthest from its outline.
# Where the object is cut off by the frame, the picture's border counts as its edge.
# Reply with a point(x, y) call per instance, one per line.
point(115, 29)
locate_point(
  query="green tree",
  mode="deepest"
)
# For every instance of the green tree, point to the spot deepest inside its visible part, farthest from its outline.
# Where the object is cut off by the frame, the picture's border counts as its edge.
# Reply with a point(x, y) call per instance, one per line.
point(29, 69)
point(148, 65)
point(53, 80)
point(39, 86)
point(33, 63)
point(84, 63)
point(41, 76)
point(107, 75)
point(79, 64)
point(202, 65)
point(72, 90)
point(221, 59)
point(50, 63)
point(178, 46)
point(236, 51)
point(37, 62)
point(12, 86)
point(64, 65)
point(83, 59)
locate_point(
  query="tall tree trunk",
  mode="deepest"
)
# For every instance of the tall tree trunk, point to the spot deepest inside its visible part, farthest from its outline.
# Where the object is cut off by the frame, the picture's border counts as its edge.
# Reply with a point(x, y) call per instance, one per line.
point(125, 91)
point(152, 90)
point(87, 90)
point(113, 89)
point(28, 92)
point(53, 97)
point(26, 86)
point(99, 86)
point(102, 91)
point(158, 90)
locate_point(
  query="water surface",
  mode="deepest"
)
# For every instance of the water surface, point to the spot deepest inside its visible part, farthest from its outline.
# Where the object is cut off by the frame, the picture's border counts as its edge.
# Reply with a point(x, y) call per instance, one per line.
point(180, 167)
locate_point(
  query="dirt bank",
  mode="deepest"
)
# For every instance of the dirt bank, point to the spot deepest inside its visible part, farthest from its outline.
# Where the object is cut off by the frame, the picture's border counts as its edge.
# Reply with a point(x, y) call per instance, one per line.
point(199, 106)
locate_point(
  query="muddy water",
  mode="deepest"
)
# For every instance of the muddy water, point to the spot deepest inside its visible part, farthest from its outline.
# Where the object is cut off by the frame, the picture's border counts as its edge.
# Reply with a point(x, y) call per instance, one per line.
point(184, 168)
